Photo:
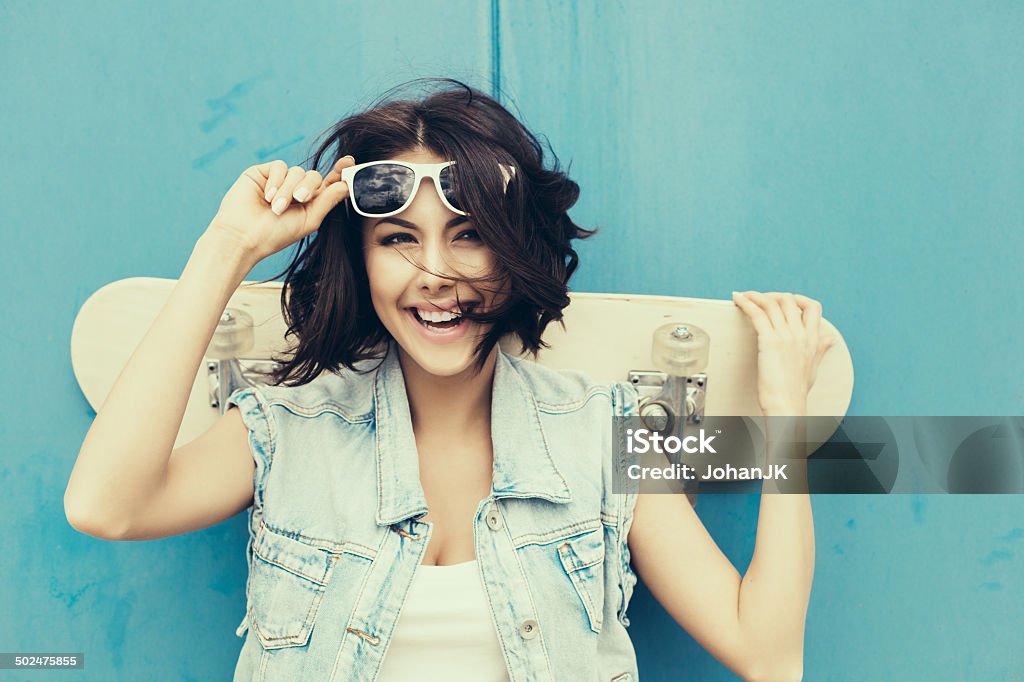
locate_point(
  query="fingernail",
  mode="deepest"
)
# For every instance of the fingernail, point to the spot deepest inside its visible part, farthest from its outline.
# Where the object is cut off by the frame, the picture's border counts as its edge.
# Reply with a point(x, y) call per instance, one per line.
point(271, 191)
point(301, 194)
point(279, 205)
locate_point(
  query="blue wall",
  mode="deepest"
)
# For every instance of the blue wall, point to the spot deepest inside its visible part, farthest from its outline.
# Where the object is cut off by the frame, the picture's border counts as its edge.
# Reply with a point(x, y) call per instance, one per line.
point(866, 154)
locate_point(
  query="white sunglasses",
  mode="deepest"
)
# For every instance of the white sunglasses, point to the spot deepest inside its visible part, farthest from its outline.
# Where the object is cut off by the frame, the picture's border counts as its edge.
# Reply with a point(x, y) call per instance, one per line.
point(379, 189)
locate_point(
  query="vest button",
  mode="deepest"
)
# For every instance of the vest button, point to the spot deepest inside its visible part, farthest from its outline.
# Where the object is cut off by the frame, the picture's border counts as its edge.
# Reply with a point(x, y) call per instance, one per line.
point(494, 519)
point(528, 629)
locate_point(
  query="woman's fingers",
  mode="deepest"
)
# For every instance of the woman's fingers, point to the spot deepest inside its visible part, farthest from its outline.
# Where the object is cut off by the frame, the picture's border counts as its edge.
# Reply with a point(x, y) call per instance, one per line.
point(762, 325)
point(770, 307)
point(790, 345)
point(282, 185)
point(320, 185)
point(792, 313)
point(335, 174)
point(308, 186)
point(327, 198)
point(283, 197)
point(811, 314)
point(276, 172)
point(772, 313)
point(775, 311)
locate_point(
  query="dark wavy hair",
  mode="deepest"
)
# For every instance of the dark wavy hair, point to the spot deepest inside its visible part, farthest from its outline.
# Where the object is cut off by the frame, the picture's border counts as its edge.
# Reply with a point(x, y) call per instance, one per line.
point(326, 295)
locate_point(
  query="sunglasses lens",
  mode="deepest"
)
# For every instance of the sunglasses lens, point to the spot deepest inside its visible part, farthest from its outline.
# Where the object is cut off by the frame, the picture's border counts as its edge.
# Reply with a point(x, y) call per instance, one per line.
point(383, 188)
point(448, 188)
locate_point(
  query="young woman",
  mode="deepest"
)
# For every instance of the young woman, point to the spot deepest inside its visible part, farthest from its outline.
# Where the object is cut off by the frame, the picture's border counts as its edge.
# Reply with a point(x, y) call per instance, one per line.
point(421, 504)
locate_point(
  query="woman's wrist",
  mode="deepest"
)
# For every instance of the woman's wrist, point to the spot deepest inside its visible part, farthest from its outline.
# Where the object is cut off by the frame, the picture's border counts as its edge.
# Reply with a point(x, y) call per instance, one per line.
point(224, 249)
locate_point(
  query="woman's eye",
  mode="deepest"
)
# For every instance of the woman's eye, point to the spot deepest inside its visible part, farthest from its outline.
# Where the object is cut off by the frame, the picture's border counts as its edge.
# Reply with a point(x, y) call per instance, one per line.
point(397, 238)
point(406, 238)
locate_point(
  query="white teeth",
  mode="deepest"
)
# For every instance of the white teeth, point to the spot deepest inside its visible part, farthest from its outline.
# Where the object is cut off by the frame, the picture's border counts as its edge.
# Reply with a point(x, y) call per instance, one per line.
point(436, 315)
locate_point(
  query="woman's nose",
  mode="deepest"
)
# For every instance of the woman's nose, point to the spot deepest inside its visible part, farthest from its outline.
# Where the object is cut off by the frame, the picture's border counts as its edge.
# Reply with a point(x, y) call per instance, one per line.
point(436, 268)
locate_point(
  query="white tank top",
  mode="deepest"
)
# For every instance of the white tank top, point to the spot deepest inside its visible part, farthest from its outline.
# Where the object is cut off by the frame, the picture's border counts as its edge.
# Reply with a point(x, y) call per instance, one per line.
point(445, 630)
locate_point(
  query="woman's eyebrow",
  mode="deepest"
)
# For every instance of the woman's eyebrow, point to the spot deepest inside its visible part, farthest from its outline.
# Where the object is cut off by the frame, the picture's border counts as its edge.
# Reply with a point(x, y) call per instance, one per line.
point(457, 220)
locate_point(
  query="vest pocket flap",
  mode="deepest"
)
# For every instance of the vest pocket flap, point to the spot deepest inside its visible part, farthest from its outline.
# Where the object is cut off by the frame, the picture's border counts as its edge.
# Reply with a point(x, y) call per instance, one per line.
point(293, 555)
point(582, 558)
point(288, 579)
point(582, 551)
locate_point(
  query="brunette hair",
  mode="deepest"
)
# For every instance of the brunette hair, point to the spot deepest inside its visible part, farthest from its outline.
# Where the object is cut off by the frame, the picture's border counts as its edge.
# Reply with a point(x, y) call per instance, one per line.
point(326, 296)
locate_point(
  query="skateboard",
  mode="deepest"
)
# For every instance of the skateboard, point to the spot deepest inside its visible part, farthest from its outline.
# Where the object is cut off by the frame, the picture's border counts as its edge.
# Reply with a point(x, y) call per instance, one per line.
point(689, 358)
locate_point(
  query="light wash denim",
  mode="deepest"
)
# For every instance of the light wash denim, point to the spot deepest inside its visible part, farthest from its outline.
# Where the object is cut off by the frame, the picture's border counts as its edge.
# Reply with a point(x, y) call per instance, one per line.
point(335, 533)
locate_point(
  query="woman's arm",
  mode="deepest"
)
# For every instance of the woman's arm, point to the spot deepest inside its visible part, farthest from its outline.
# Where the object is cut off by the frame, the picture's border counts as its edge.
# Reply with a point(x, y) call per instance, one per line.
point(124, 460)
point(128, 482)
point(754, 625)
point(777, 586)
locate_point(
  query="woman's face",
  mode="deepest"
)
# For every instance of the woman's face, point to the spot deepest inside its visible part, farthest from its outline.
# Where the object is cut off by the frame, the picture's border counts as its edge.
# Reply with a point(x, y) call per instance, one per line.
point(427, 233)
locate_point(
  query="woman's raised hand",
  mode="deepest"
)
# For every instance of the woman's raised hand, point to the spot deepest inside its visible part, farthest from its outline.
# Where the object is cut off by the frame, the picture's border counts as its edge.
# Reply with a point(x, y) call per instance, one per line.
point(272, 206)
point(790, 347)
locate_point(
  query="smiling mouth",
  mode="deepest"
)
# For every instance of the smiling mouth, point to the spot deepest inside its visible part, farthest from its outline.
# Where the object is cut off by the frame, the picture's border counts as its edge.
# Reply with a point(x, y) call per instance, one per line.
point(439, 322)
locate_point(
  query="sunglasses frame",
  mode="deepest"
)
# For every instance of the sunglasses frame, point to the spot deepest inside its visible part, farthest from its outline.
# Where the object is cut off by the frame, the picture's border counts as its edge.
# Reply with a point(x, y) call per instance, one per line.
point(420, 171)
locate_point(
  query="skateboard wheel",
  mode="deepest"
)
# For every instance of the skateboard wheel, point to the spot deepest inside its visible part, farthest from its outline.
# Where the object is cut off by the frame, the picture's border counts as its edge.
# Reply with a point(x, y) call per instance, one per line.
point(234, 336)
point(680, 349)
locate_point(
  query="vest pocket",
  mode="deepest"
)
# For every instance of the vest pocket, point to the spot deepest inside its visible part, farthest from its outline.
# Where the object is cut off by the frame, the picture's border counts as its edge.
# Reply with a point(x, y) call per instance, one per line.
point(287, 582)
point(582, 558)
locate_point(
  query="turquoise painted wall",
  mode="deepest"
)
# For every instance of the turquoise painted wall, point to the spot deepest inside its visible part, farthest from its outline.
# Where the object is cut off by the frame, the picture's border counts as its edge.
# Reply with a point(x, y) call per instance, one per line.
point(866, 154)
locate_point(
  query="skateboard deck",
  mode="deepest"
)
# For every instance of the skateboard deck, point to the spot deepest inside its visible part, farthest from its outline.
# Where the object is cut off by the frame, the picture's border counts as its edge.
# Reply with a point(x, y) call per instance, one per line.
point(606, 336)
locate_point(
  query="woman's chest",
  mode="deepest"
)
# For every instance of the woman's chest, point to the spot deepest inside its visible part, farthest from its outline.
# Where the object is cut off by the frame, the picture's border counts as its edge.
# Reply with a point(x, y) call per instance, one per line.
point(455, 477)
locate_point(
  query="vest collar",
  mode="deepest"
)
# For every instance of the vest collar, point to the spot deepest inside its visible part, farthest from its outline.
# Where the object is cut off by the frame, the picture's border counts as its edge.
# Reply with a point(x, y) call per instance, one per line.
point(523, 466)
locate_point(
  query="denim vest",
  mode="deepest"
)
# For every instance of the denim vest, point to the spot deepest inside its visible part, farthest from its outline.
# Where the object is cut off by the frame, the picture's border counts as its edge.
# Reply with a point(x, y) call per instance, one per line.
point(335, 534)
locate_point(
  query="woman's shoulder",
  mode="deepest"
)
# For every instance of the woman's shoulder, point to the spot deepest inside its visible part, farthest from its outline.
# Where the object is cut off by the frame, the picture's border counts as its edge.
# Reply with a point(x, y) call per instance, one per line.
point(346, 392)
point(561, 386)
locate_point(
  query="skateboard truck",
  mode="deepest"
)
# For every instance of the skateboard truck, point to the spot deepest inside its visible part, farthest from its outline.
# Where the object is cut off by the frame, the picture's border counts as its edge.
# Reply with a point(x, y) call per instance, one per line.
point(225, 370)
point(672, 396)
